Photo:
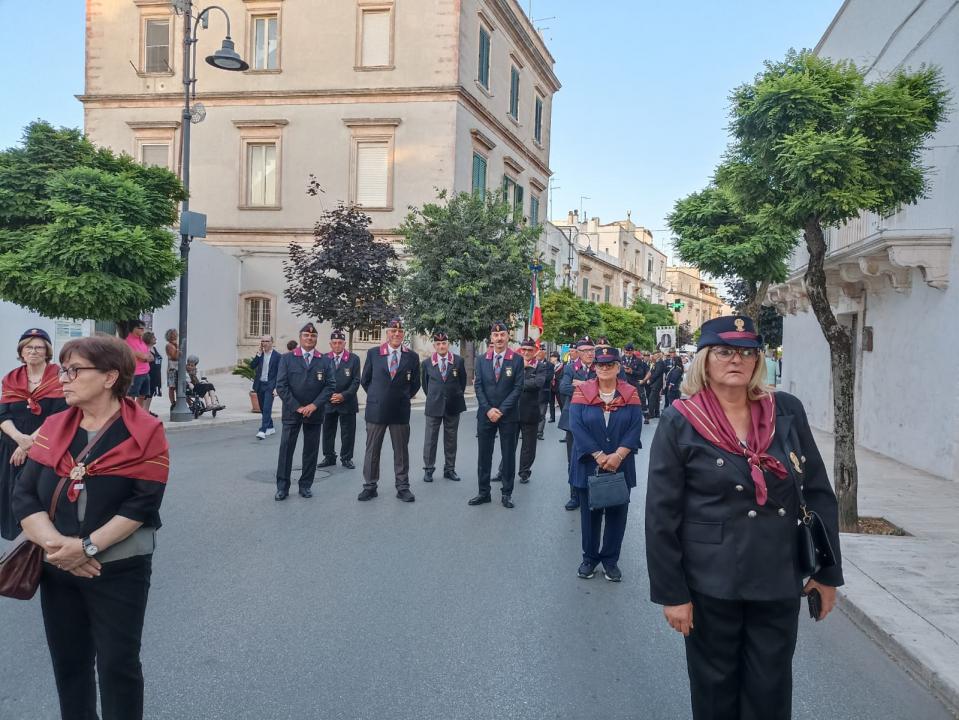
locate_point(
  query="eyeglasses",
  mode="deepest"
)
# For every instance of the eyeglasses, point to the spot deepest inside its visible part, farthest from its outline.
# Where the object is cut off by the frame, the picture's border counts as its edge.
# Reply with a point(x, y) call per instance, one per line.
point(605, 365)
point(726, 353)
point(70, 373)
point(35, 348)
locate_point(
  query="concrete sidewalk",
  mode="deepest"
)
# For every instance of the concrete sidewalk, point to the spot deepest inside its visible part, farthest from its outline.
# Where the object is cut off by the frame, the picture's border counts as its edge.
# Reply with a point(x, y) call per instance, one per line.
point(904, 591)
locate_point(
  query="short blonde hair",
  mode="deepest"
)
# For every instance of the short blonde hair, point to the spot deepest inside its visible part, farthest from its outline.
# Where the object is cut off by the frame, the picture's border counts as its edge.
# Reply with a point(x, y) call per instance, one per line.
point(696, 379)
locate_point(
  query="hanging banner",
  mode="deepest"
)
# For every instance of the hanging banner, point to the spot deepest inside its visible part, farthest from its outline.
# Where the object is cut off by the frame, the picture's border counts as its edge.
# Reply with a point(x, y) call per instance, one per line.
point(665, 337)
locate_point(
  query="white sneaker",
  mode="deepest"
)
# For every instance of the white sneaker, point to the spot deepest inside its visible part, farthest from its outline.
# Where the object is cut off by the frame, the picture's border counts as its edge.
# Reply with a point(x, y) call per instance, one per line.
point(270, 431)
point(261, 435)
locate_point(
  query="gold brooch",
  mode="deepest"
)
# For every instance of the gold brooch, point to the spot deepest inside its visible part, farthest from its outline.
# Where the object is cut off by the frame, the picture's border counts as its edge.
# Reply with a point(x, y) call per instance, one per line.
point(795, 461)
point(78, 472)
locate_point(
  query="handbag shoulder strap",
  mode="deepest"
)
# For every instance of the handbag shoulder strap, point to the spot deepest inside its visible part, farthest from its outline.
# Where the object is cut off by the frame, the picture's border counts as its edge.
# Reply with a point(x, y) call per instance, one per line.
point(83, 453)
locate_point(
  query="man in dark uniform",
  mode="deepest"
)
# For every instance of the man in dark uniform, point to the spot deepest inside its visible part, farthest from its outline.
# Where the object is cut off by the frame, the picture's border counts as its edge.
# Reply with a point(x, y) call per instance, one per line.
point(536, 376)
point(571, 358)
point(343, 406)
point(391, 377)
point(498, 383)
point(672, 381)
point(574, 374)
point(656, 376)
point(544, 393)
point(554, 396)
point(642, 381)
point(443, 381)
point(305, 384)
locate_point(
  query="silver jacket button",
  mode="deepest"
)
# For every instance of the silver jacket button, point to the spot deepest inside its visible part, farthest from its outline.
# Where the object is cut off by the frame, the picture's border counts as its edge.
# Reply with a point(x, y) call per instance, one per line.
point(782, 512)
point(751, 514)
point(739, 488)
point(720, 462)
point(803, 458)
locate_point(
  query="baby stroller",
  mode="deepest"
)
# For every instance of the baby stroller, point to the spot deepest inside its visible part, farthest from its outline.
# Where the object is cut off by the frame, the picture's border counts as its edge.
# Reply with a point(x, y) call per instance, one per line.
point(200, 394)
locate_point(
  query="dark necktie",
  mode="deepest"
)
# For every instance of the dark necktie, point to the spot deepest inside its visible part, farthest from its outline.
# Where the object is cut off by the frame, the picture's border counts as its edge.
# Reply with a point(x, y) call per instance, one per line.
point(497, 366)
point(307, 357)
point(336, 362)
point(394, 364)
point(443, 367)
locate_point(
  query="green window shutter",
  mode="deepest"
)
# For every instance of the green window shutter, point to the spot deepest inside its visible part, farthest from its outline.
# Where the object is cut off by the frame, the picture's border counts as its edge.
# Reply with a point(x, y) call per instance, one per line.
point(586, 288)
point(479, 175)
point(514, 93)
point(538, 120)
point(534, 211)
point(484, 46)
point(518, 200)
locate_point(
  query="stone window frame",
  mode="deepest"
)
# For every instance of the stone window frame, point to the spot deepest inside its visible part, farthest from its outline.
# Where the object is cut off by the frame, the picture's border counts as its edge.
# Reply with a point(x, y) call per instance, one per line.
point(258, 9)
point(156, 132)
point(259, 132)
point(373, 130)
point(155, 10)
point(485, 23)
point(245, 297)
point(365, 6)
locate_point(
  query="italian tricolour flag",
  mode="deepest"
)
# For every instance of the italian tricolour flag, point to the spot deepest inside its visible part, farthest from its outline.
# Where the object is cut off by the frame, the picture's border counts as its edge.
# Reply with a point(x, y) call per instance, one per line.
point(535, 312)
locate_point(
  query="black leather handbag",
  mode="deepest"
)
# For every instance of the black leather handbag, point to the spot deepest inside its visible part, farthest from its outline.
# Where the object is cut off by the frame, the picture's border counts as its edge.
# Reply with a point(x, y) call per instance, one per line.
point(814, 548)
point(607, 490)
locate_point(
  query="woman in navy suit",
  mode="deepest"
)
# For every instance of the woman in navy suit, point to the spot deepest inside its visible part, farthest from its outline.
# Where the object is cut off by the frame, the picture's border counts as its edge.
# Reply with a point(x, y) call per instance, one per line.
point(606, 420)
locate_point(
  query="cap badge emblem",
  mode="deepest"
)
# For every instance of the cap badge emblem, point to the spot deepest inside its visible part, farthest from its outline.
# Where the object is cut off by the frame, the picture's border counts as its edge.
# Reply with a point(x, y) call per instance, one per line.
point(740, 324)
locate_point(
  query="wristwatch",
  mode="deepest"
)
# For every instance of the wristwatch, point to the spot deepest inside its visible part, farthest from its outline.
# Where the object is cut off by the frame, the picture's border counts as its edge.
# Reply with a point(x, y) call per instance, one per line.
point(89, 548)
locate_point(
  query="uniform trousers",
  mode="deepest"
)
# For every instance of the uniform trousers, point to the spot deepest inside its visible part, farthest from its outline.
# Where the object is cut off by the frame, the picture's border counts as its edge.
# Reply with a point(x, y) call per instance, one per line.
point(347, 423)
point(527, 453)
point(451, 424)
point(543, 407)
point(265, 398)
point(593, 529)
point(400, 440)
point(311, 452)
point(97, 622)
point(739, 658)
point(653, 394)
point(508, 435)
point(554, 399)
point(569, 461)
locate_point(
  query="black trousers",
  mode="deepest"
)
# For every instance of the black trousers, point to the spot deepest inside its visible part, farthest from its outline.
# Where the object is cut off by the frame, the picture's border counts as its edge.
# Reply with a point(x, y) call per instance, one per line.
point(569, 462)
point(97, 622)
point(527, 454)
point(543, 407)
point(311, 452)
point(554, 399)
point(347, 423)
point(508, 435)
point(451, 424)
point(593, 530)
point(653, 395)
point(739, 658)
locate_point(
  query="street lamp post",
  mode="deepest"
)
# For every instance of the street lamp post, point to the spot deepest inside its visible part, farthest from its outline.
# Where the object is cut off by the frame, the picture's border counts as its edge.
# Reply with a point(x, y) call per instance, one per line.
point(193, 224)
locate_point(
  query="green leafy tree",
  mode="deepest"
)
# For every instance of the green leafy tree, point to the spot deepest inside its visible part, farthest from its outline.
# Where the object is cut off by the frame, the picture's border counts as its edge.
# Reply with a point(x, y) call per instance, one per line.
point(620, 325)
point(566, 317)
point(814, 146)
point(85, 233)
point(653, 316)
point(715, 235)
point(347, 276)
point(469, 260)
point(770, 322)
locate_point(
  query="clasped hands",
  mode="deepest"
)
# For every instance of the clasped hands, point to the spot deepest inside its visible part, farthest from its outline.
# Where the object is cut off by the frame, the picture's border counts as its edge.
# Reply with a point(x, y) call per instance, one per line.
point(494, 414)
point(610, 462)
point(67, 554)
point(306, 410)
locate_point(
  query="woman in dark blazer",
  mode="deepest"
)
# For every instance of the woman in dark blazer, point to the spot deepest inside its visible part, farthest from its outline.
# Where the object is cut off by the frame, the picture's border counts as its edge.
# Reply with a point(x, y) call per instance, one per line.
point(722, 505)
point(673, 381)
point(606, 420)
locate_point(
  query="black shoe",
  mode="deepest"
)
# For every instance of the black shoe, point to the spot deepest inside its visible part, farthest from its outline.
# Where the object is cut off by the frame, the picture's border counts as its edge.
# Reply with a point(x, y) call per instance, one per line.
point(612, 573)
point(306, 493)
point(572, 504)
point(540, 437)
point(451, 475)
point(586, 570)
point(405, 495)
point(366, 495)
point(646, 421)
point(551, 420)
point(348, 464)
point(327, 462)
point(281, 495)
point(498, 478)
point(524, 479)
point(428, 476)
point(480, 500)
point(507, 503)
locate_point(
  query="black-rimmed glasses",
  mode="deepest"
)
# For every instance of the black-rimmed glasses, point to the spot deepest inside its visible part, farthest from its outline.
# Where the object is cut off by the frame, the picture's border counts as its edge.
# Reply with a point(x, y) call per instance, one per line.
point(70, 373)
point(726, 353)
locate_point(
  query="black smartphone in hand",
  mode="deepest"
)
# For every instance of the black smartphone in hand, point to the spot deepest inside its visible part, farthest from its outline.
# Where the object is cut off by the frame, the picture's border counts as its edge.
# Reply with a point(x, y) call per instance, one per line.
point(815, 604)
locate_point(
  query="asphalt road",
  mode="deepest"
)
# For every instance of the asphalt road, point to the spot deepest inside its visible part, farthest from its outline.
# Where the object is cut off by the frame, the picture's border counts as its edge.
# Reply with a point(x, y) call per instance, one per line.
point(330, 609)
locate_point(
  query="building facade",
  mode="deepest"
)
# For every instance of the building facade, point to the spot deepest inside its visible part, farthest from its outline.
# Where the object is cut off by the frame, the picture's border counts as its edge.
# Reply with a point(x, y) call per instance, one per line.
point(889, 277)
point(700, 298)
point(353, 93)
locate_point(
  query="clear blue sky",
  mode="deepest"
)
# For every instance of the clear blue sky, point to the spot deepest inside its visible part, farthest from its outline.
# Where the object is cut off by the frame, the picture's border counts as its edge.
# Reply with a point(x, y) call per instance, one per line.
point(639, 123)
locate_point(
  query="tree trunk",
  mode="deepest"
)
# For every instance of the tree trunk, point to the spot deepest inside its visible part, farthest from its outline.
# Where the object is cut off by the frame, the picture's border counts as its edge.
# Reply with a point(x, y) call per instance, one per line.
point(755, 305)
point(469, 359)
point(845, 470)
point(350, 339)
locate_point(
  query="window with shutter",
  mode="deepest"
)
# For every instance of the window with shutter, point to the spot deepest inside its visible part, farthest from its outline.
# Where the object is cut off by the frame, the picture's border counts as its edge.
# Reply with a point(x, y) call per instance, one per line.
point(484, 46)
point(538, 120)
point(261, 174)
point(514, 93)
point(479, 175)
point(266, 42)
point(518, 200)
point(155, 155)
point(509, 191)
point(156, 46)
point(534, 210)
point(372, 174)
point(376, 32)
point(585, 288)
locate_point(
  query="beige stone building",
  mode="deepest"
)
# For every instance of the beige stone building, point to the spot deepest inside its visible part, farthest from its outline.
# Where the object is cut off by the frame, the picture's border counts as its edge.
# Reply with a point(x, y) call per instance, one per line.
point(383, 101)
point(700, 297)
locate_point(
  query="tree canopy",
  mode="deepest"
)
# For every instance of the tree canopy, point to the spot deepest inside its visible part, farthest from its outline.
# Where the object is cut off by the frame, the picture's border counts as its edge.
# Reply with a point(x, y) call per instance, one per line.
point(85, 233)
point(469, 264)
point(620, 325)
point(654, 316)
point(567, 318)
point(346, 277)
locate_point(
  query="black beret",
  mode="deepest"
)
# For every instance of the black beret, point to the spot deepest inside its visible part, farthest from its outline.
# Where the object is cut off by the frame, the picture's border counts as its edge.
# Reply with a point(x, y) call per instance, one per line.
point(36, 333)
point(498, 326)
point(395, 324)
point(439, 336)
point(337, 335)
point(308, 328)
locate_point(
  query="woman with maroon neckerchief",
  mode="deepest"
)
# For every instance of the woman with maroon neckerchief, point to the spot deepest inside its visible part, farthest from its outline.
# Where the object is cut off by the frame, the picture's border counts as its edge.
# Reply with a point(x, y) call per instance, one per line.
point(103, 465)
point(31, 393)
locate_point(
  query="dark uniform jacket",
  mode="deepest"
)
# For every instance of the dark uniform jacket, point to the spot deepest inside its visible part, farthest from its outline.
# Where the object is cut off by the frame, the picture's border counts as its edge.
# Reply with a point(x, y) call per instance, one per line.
point(631, 369)
point(658, 375)
point(388, 399)
point(346, 382)
point(591, 431)
point(672, 381)
point(704, 529)
point(444, 397)
point(299, 385)
point(572, 371)
point(257, 364)
point(502, 394)
point(535, 382)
